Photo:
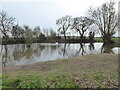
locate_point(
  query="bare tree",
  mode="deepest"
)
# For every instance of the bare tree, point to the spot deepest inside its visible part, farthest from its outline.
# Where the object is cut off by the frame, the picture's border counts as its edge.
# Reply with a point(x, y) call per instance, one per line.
point(105, 19)
point(52, 34)
point(18, 33)
point(6, 23)
point(14, 32)
point(81, 24)
point(64, 24)
point(21, 32)
point(28, 35)
point(36, 31)
point(46, 32)
point(91, 36)
point(119, 15)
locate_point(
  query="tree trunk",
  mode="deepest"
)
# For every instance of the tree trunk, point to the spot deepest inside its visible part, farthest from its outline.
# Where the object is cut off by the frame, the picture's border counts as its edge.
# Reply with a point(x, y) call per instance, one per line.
point(81, 35)
point(107, 39)
point(64, 36)
point(5, 39)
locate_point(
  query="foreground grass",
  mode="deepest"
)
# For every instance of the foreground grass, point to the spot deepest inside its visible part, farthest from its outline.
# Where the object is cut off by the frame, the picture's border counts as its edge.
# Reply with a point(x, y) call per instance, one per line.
point(92, 71)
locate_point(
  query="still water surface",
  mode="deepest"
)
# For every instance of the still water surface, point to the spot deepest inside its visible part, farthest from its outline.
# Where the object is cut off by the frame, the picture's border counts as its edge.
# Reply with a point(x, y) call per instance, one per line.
point(19, 54)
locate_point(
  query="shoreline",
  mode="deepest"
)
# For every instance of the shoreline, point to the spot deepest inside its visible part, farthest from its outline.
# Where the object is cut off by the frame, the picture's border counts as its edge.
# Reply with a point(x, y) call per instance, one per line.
point(56, 61)
point(115, 40)
point(116, 44)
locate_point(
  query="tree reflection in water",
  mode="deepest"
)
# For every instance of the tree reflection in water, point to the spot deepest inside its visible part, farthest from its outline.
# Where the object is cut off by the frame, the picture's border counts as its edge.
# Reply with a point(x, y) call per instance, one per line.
point(5, 56)
point(82, 48)
point(20, 51)
point(107, 49)
point(66, 52)
point(38, 50)
point(91, 46)
point(18, 54)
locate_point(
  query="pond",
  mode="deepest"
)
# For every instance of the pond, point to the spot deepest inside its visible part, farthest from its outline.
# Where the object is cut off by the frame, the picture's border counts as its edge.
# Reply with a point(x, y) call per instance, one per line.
point(19, 54)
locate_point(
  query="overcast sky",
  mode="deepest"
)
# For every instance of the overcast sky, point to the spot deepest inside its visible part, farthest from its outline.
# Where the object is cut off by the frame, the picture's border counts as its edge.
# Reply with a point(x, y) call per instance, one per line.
point(44, 13)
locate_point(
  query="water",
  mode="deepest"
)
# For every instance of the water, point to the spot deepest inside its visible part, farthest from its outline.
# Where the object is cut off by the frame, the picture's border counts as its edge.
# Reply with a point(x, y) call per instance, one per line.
point(19, 54)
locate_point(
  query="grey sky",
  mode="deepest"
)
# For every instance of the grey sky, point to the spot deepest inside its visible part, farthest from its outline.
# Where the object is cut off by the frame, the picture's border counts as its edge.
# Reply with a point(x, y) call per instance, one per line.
point(44, 13)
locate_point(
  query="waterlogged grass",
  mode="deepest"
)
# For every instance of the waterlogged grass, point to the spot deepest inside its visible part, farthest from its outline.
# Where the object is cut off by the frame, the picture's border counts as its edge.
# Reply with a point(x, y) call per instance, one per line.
point(92, 71)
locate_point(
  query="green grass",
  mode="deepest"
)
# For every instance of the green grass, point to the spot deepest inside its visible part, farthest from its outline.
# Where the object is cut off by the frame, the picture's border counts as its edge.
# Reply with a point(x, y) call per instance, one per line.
point(115, 39)
point(98, 39)
point(92, 71)
point(38, 80)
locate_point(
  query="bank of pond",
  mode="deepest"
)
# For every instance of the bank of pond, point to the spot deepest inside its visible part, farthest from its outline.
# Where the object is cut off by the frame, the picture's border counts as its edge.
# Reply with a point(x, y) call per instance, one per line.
point(91, 71)
point(57, 39)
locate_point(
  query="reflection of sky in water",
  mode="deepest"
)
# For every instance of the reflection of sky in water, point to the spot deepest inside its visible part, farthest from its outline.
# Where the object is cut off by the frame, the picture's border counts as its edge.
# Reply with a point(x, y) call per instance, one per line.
point(116, 50)
point(19, 54)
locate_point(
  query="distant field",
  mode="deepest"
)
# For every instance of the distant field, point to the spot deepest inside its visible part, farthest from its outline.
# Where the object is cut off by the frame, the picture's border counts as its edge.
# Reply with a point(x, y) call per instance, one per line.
point(98, 39)
point(116, 39)
point(92, 71)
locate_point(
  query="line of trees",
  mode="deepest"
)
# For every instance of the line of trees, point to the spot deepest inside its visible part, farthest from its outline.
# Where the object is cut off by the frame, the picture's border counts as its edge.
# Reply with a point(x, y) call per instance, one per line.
point(22, 34)
point(104, 18)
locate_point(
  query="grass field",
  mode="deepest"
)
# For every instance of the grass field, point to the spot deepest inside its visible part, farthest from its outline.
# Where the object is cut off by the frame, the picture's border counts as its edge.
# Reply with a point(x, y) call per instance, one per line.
point(98, 39)
point(115, 39)
point(92, 71)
